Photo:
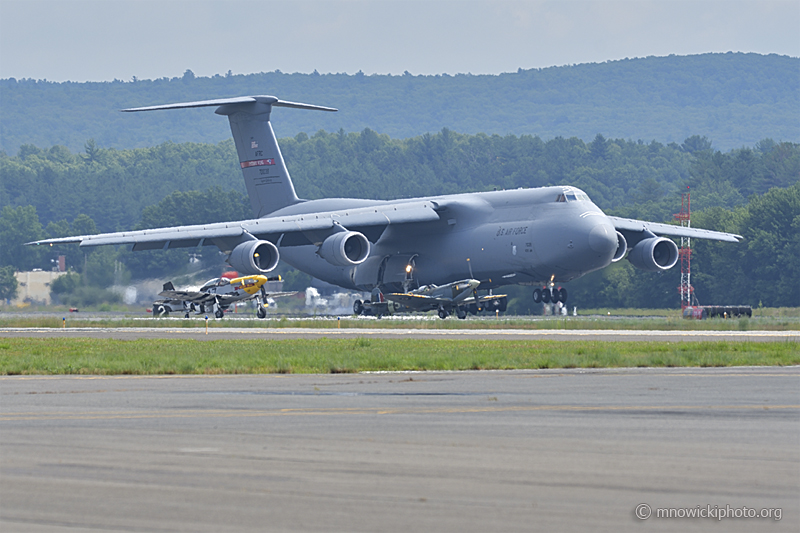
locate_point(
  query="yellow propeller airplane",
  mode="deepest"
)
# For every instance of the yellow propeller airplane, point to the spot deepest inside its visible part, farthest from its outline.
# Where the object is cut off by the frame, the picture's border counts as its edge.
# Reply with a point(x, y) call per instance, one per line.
point(216, 295)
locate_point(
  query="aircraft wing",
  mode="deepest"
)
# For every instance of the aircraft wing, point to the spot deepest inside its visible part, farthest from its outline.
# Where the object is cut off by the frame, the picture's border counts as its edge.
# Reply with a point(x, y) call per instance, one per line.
point(414, 301)
point(224, 232)
point(486, 298)
point(628, 224)
point(279, 294)
point(189, 296)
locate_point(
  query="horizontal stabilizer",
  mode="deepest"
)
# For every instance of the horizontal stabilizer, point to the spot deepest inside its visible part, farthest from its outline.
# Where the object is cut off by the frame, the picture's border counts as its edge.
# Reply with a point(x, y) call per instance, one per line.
point(269, 100)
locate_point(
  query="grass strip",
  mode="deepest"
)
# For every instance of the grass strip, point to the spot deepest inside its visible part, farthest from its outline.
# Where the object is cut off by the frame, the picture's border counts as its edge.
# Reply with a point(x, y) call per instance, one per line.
point(162, 357)
point(510, 322)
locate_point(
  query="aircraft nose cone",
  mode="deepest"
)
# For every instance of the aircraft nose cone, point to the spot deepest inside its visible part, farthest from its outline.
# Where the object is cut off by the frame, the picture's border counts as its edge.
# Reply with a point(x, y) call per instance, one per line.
point(603, 239)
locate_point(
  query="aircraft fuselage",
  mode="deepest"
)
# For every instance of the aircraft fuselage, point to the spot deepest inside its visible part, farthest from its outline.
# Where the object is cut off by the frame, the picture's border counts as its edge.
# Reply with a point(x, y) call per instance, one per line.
point(500, 237)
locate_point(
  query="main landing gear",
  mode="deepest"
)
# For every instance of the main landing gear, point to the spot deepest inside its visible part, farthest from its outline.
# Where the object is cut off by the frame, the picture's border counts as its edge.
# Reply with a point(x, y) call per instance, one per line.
point(550, 295)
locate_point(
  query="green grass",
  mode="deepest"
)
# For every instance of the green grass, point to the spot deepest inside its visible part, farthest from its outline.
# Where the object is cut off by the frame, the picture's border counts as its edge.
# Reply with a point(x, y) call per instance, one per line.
point(769, 323)
point(159, 357)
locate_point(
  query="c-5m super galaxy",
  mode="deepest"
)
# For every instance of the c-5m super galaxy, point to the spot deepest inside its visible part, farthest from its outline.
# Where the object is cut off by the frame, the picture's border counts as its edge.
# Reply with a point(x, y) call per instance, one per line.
point(523, 236)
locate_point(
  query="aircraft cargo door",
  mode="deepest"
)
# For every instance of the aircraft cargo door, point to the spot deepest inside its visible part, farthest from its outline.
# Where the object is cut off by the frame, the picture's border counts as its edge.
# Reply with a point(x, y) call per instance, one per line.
point(397, 273)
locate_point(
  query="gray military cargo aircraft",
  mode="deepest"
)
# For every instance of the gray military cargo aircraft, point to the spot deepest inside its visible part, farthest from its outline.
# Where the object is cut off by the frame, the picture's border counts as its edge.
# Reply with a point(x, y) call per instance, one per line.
point(523, 236)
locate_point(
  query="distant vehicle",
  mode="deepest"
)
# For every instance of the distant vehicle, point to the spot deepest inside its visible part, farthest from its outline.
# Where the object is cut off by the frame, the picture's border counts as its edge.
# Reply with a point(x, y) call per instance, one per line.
point(460, 297)
point(511, 237)
point(216, 296)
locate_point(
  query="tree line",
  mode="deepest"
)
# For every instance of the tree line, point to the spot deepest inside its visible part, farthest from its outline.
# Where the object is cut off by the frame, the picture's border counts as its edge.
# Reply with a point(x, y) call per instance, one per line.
point(747, 190)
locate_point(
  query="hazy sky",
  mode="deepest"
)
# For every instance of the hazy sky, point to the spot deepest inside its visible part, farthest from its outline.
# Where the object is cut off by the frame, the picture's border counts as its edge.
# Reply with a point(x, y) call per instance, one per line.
point(91, 40)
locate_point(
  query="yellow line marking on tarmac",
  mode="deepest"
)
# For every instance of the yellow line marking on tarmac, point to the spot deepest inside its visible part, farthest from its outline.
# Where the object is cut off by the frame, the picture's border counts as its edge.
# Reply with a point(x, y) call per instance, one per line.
point(118, 415)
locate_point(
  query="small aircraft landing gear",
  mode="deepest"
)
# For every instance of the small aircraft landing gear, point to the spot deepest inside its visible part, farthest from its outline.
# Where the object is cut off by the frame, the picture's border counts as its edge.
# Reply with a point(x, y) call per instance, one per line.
point(442, 313)
point(261, 312)
point(358, 307)
point(461, 313)
point(219, 313)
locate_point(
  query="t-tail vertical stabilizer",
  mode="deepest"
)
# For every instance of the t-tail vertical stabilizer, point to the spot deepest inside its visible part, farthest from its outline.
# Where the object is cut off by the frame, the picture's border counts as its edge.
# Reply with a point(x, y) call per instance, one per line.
point(265, 175)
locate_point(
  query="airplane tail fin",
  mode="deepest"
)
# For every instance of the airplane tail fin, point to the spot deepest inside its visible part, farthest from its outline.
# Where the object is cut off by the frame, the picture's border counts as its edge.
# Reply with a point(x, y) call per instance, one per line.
point(265, 175)
point(168, 286)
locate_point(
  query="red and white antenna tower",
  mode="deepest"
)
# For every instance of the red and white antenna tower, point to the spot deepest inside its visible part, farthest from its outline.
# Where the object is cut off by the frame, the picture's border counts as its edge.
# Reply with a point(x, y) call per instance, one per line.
point(685, 252)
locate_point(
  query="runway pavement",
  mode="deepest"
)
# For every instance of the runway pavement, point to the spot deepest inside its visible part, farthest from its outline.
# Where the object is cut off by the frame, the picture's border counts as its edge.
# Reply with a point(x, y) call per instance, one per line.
point(215, 333)
point(551, 450)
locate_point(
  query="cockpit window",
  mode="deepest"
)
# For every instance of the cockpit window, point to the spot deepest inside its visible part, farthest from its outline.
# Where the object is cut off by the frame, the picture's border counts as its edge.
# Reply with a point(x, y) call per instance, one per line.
point(572, 196)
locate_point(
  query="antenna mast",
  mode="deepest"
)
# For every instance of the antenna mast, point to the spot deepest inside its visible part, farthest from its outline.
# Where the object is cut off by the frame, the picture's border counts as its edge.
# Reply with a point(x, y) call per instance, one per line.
point(685, 253)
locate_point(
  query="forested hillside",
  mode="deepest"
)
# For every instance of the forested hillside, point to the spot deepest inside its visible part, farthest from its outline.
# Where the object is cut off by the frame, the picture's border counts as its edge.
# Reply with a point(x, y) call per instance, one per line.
point(733, 99)
point(753, 191)
point(113, 187)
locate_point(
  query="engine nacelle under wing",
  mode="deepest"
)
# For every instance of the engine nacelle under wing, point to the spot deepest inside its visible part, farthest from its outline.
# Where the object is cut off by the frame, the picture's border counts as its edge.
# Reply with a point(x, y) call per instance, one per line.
point(254, 257)
point(346, 248)
point(654, 254)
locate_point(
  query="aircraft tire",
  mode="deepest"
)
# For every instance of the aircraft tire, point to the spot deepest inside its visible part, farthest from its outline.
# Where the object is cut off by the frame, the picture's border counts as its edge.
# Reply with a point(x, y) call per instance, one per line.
point(537, 296)
point(219, 313)
point(442, 314)
point(358, 307)
point(562, 295)
point(546, 296)
point(186, 315)
point(261, 312)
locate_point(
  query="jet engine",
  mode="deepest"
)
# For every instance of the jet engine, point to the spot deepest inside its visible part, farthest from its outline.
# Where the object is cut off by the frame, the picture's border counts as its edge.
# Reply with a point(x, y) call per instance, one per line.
point(346, 248)
point(254, 257)
point(654, 254)
point(622, 247)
